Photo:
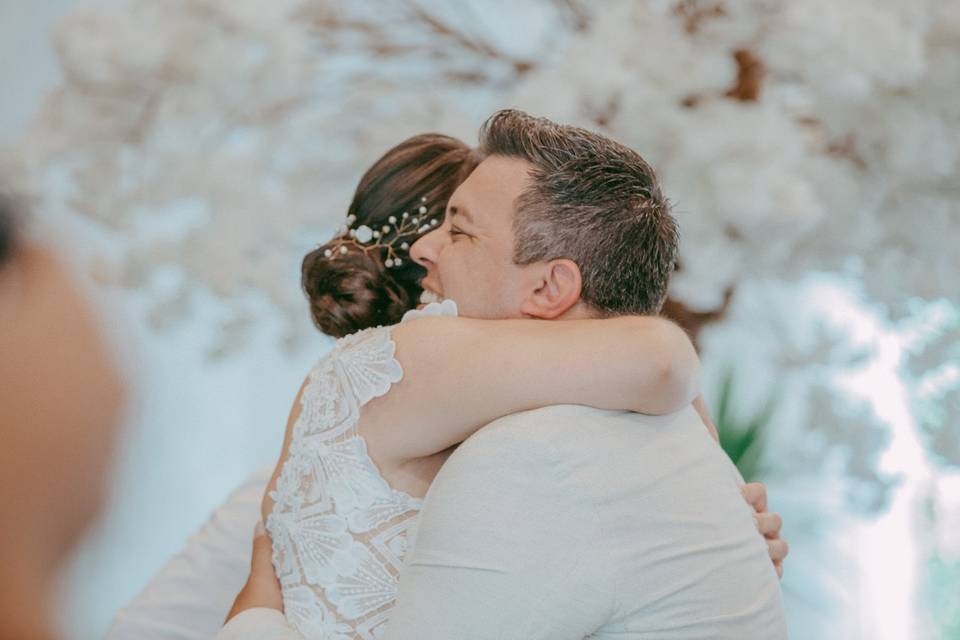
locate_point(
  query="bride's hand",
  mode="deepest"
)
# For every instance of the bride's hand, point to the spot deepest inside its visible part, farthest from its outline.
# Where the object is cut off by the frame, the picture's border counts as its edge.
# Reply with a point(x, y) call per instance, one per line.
point(768, 523)
point(262, 588)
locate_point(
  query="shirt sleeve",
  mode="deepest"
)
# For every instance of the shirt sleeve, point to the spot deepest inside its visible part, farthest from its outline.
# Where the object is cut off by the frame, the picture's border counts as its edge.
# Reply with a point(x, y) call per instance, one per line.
point(259, 623)
point(507, 547)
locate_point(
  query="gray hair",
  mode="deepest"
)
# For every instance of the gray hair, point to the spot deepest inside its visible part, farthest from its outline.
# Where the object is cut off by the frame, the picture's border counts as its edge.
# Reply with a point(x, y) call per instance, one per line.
point(593, 201)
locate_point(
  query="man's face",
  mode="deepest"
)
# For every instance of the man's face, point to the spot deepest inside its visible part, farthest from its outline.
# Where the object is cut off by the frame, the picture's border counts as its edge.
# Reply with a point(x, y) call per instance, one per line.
point(469, 258)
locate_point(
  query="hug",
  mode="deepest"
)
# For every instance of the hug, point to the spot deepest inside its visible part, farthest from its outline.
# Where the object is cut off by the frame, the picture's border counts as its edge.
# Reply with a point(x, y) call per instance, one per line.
point(506, 441)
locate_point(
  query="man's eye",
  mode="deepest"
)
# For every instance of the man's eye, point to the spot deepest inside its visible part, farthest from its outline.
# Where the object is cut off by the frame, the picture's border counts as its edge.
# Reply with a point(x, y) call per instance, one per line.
point(456, 232)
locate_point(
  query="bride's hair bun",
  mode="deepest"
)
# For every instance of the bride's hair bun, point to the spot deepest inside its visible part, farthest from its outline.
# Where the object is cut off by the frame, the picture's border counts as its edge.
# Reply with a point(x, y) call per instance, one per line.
point(351, 293)
point(356, 290)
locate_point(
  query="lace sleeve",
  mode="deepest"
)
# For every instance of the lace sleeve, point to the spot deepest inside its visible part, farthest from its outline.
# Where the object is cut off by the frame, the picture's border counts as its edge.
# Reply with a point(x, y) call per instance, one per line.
point(339, 530)
point(445, 308)
point(360, 367)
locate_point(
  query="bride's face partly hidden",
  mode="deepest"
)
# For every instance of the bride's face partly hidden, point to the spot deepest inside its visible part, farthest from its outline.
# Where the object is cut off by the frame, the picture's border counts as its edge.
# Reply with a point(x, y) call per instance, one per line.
point(61, 398)
point(469, 258)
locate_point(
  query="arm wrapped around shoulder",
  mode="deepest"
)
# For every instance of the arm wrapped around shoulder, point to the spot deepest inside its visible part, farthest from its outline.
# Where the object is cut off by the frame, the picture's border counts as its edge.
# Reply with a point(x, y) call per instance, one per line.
point(460, 374)
point(668, 350)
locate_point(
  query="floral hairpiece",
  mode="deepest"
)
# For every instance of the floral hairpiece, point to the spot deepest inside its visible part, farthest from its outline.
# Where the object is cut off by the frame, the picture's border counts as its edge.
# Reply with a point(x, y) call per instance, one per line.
point(367, 239)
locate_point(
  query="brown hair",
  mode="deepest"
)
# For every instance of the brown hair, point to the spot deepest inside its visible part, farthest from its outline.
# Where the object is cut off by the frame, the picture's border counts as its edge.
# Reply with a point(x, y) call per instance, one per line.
point(356, 290)
point(594, 201)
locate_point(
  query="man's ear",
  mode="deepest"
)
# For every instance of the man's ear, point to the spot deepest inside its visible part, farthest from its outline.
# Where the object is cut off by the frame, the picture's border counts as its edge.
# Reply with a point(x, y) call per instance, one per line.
point(558, 290)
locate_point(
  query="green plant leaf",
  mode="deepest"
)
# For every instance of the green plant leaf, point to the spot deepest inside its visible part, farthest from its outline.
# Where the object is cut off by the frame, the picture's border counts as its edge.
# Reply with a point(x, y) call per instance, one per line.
point(744, 440)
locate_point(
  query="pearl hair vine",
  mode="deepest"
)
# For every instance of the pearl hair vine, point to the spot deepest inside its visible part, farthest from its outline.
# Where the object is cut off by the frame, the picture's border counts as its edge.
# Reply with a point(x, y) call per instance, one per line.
point(367, 239)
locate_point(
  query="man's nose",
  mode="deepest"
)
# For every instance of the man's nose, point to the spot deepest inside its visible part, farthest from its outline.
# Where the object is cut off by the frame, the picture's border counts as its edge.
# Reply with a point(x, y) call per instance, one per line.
point(426, 249)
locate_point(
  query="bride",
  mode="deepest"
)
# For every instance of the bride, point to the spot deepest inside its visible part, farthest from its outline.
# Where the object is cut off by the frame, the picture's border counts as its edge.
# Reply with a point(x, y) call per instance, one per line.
point(341, 507)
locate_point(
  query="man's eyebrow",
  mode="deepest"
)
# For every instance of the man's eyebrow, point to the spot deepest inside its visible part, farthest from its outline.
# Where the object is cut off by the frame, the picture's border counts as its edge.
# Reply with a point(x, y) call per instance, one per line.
point(460, 211)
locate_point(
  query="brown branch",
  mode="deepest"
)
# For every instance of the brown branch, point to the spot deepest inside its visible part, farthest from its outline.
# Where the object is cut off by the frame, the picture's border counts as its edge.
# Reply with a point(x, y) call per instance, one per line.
point(480, 47)
point(750, 74)
point(692, 321)
point(694, 12)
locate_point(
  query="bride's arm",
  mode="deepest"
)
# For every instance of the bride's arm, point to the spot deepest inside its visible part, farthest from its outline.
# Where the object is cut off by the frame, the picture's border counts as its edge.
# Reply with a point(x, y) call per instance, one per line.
point(460, 374)
point(701, 407)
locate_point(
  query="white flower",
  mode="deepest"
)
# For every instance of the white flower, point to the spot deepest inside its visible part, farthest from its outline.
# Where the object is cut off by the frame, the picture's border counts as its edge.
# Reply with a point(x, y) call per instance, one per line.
point(364, 233)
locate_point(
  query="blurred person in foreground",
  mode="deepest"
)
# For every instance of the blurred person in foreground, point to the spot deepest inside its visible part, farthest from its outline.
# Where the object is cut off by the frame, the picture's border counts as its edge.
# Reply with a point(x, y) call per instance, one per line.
point(60, 400)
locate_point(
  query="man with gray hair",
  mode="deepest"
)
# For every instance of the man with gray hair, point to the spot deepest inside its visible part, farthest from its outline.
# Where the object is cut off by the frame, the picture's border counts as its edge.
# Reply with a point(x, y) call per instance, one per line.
point(568, 521)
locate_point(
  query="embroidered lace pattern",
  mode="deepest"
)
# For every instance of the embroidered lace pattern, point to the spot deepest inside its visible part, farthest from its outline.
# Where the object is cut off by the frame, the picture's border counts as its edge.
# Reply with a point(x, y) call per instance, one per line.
point(339, 530)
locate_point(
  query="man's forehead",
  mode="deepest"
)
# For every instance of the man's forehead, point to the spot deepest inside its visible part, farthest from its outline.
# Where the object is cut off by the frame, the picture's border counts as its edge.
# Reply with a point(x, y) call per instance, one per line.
point(492, 189)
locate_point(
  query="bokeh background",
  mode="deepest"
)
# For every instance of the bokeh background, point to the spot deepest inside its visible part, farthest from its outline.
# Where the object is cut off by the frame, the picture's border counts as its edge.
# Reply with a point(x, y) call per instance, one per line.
point(187, 153)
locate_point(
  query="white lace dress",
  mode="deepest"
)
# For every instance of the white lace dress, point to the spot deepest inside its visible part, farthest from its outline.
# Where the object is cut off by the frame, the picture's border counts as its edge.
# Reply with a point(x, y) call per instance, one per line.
point(339, 531)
